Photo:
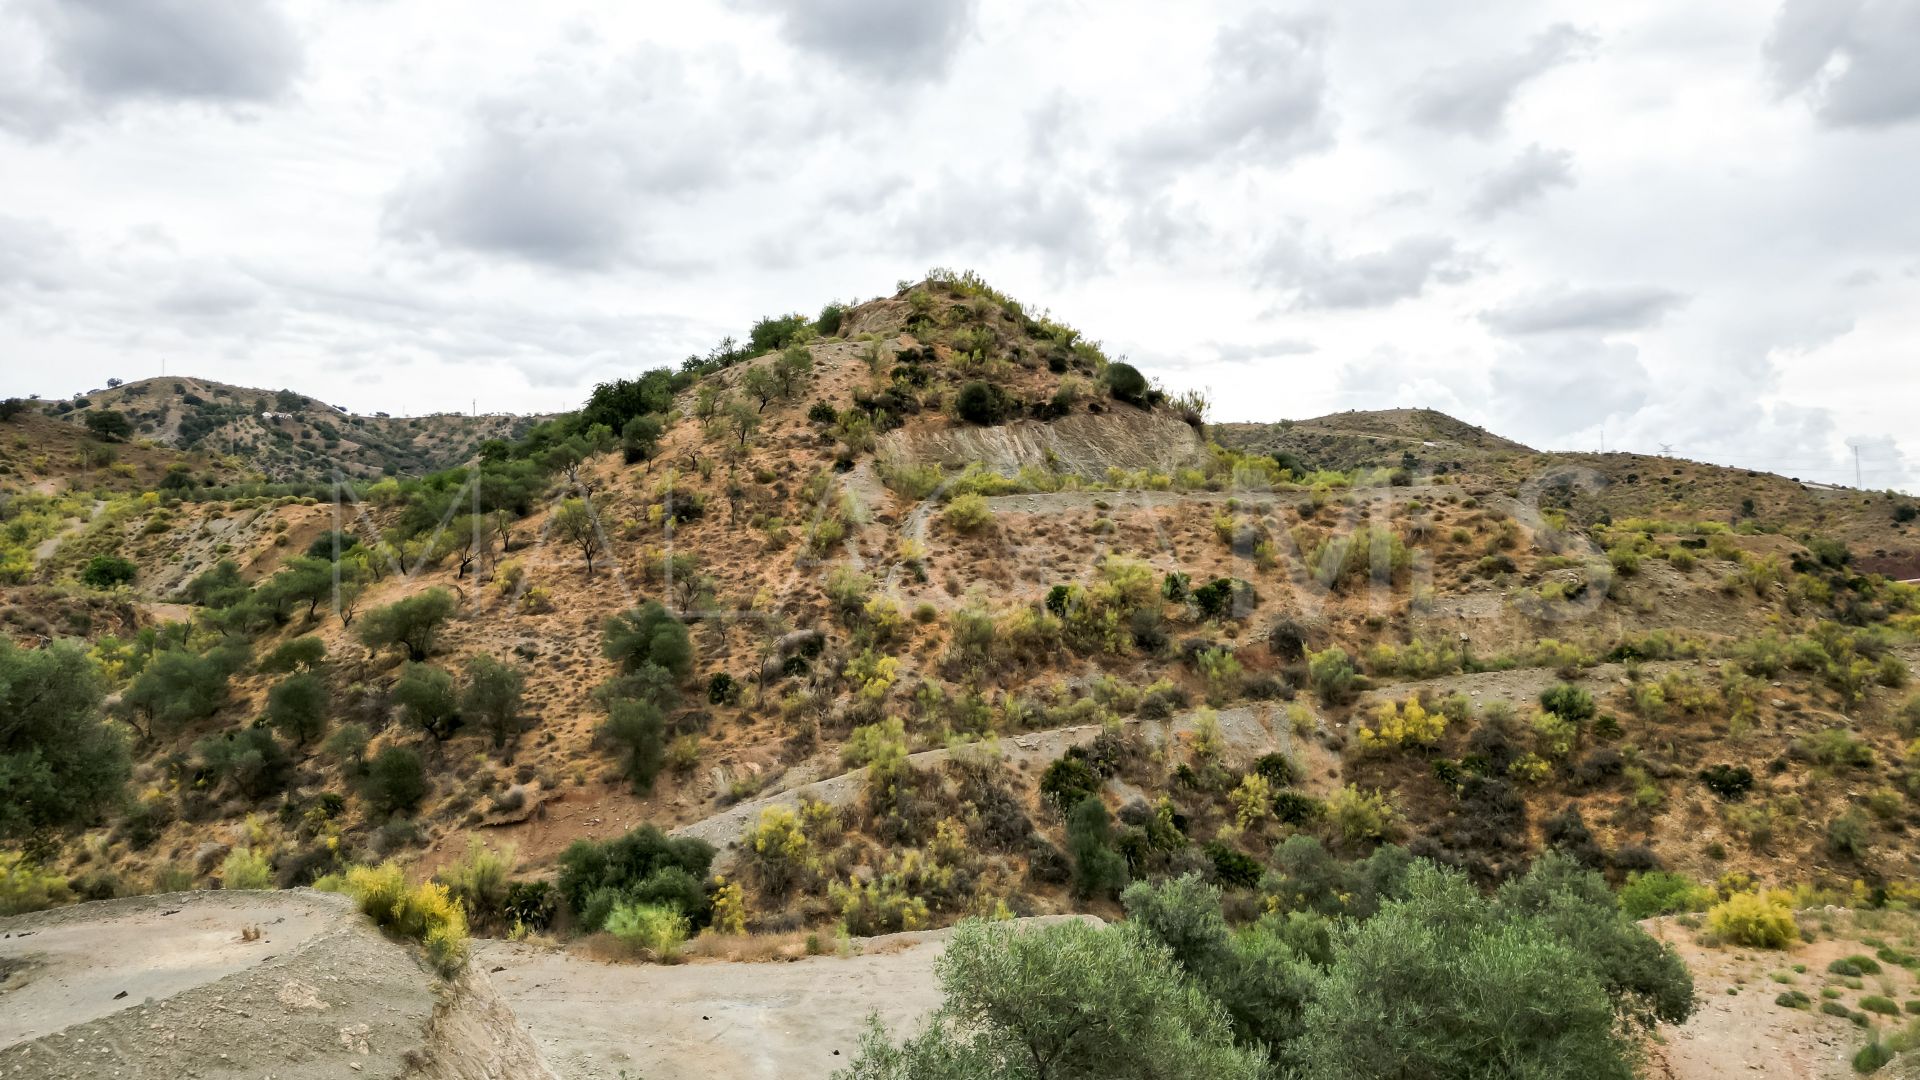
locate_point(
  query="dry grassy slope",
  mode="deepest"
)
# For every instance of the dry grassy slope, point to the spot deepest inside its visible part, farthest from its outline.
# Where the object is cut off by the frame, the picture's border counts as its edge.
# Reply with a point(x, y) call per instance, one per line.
point(1619, 484)
point(752, 545)
point(39, 454)
point(288, 436)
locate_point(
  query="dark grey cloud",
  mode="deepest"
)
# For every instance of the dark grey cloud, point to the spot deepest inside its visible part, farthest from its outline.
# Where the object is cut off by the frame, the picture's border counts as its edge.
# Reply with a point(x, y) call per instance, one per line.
point(1267, 99)
point(890, 40)
point(1583, 310)
point(210, 50)
point(570, 169)
point(1525, 179)
point(1857, 62)
point(1472, 98)
point(1320, 279)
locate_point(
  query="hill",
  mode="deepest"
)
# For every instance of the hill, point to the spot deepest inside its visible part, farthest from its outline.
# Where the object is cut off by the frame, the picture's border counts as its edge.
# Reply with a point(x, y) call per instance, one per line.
point(287, 436)
point(926, 609)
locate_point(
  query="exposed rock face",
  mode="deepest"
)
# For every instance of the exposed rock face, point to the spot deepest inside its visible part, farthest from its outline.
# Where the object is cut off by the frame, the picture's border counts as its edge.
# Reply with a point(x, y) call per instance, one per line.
point(1084, 443)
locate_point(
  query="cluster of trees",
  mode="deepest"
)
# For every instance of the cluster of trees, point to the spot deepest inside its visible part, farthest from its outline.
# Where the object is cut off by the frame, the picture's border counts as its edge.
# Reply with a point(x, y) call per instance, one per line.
point(1545, 978)
point(61, 763)
point(655, 657)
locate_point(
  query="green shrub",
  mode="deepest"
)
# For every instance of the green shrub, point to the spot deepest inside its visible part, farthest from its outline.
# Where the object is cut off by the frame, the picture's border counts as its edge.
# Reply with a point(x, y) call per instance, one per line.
point(638, 733)
point(424, 913)
point(251, 759)
point(643, 866)
point(1098, 870)
point(108, 571)
point(1872, 1057)
point(658, 930)
point(1854, 966)
point(25, 887)
point(245, 870)
point(1793, 999)
point(1069, 780)
point(648, 637)
point(1090, 1001)
point(297, 706)
point(1874, 1003)
point(1331, 673)
point(981, 403)
point(428, 700)
point(300, 654)
point(1126, 383)
point(410, 625)
point(1755, 920)
point(967, 513)
point(61, 764)
point(492, 697)
point(1850, 835)
point(1660, 892)
point(396, 781)
point(1234, 869)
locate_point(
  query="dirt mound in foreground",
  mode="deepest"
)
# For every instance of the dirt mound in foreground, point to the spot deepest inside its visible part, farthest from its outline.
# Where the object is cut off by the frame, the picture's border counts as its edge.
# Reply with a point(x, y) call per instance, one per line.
point(293, 985)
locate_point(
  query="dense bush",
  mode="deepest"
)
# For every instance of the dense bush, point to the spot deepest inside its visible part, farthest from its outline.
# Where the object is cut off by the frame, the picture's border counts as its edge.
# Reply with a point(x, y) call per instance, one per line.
point(300, 654)
point(396, 781)
point(107, 571)
point(177, 687)
point(423, 913)
point(1730, 782)
point(643, 866)
point(428, 700)
point(1067, 781)
point(637, 731)
point(1755, 920)
point(1658, 892)
point(297, 706)
point(1098, 870)
point(1126, 383)
point(981, 403)
point(657, 930)
point(645, 637)
point(1544, 980)
point(60, 762)
point(251, 759)
point(1087, 1002)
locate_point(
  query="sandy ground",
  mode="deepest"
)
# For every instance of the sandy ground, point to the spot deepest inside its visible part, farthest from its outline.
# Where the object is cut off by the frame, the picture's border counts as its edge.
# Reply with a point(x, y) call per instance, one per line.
point(70, 973)
point(1738, 1030)
point(165, 987)
point(797, 1020)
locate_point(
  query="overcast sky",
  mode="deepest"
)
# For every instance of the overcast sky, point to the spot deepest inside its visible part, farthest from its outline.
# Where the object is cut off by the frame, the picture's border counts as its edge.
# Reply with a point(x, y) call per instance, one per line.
point(1655, 223)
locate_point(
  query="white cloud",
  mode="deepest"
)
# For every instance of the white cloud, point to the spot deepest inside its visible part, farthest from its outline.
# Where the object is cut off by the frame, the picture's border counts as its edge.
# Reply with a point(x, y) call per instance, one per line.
point(1525, 179)
point(388, 207)
point(1472, 98)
